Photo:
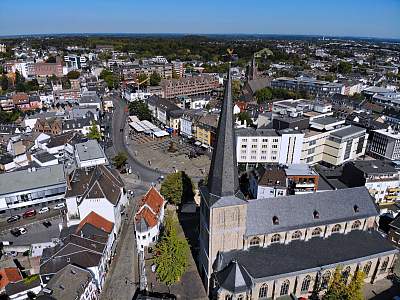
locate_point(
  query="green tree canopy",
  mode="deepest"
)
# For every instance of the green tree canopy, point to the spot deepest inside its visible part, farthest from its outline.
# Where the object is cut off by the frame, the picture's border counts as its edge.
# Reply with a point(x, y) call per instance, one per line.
point(140, 109)
point(73, 74)
point(344, 67)
point(142, 79)
point(155, 79)
point(171, 253)
point(94, 132)
point(175, 75)
point(177, 188)
point(245, 116)
point(120, 160)
point(111, 79)
point(236, 88)
point(340, 288)
point(4, 83)
point(263, 95)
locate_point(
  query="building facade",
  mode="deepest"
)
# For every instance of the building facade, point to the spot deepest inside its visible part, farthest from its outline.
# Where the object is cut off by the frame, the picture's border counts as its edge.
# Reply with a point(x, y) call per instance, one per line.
point(195, 85)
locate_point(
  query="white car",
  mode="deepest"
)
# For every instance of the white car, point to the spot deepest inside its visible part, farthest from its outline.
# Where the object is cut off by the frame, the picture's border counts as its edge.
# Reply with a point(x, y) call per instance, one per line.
point(44, 210)
point(22, 230)
point(59, 206)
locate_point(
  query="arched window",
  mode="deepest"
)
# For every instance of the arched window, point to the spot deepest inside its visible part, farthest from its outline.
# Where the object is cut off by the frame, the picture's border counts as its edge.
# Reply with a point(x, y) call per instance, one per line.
point(367, 268)
point(316, 231)
point(228, 297)
point(384, 265)
point(240, 297)
point(263, 293)
point(356, 224)
point(316, 214)
point(306, 284)
point(337, 228)
point(285, 288)
point(275, 220)
point(255, 241)
point(346, 274)
point(325, 279)
point(276, 238)
point(296, 235)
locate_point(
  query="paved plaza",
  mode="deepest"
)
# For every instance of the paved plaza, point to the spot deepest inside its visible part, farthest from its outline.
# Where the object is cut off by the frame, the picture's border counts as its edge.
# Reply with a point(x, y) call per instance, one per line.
point(154, 154)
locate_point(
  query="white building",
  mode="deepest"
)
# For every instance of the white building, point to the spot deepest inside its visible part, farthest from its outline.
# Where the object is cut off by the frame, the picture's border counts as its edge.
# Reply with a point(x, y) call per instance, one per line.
point(89, 154)
point(385, 144)
point(148, 219)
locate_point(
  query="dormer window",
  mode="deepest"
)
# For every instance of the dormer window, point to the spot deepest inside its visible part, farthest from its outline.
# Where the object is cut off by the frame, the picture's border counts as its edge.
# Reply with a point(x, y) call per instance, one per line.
point(356, 208)
point(316, 214)
point(275, 220)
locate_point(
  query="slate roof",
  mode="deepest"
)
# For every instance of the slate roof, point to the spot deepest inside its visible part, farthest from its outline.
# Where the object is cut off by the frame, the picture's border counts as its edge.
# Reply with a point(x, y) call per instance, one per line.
point(70, 137)
point(44, 156)
point(223, 176)
point(234, 278)
point(263, 263)
point(21, 286)
point(96, 182)
point(297, 211)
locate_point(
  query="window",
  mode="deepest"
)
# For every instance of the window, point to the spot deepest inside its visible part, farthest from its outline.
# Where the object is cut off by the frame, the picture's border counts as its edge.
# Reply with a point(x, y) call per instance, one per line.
point(253, 146)
point(276, 238)
point(296, 235)
point(346, 273)
point(275, 220)
point(228, 297)
point(254, 140)
point(316, 232)
point(244, 146)
point(367, 268)
point(356, 208)
point(274, 146)
point(275, 140)
point(316, 214)
point(255, 241)
point(310, 159)
point(325, 279)
point(311, 151)
point(240, 297)
point(336, 228)
point(306, 284)
point(311, 143)
point(285, 288)
point(265, 140)
point(263, 293)
point(264, 146)
point(356, 225)
point(384, 265)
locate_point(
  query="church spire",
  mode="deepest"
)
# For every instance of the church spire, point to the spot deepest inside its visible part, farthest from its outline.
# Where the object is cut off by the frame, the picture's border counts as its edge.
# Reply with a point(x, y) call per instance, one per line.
point(253, 69)
point(223, 177)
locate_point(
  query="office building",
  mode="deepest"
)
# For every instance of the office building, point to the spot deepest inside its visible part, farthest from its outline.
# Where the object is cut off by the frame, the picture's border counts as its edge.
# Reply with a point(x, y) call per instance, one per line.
point(385, 144)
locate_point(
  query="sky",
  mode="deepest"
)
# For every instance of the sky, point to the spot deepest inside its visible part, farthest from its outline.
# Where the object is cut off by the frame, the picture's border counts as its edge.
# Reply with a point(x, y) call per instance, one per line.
point(362, 18)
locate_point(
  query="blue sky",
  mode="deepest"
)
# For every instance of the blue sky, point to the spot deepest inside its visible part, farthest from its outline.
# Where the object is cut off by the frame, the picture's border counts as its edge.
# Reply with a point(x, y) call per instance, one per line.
point(368, 18)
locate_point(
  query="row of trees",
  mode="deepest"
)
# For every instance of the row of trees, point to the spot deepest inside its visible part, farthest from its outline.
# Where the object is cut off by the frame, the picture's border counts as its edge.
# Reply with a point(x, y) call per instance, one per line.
point(269, 94)
point(343, 288)
point(140, 109)
point(111, 79)
point(177, 188)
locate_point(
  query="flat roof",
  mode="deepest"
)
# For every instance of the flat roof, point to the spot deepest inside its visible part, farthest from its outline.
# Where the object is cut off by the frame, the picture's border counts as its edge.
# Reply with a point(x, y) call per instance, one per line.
point(89, 150)
point(326, 120)
point(299, 169)
point(348, 131)
point(31, 179)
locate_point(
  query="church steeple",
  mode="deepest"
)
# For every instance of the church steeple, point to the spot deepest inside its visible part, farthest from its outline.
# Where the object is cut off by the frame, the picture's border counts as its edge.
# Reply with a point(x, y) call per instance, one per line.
point(223, 177)
point(253, 69)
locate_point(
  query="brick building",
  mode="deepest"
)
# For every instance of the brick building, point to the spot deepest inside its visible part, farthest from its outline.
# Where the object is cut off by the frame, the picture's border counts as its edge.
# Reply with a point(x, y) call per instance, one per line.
point(195, 85)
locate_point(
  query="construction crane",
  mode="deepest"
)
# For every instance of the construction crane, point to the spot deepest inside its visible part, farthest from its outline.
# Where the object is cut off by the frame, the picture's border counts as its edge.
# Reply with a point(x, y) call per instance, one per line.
point(141, 82)
point(230, 51)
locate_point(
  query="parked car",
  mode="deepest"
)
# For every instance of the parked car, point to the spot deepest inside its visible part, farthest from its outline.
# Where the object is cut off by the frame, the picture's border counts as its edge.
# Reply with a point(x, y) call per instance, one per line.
point(15, 232)
point(29, 213)
point(22, 230)
point(59, 206)
point(44, 210)
point(46, 224)
point(13, 219)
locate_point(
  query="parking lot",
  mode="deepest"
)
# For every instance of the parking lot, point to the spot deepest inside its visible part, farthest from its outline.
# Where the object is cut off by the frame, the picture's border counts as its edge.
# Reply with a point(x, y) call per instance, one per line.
point(170, 154)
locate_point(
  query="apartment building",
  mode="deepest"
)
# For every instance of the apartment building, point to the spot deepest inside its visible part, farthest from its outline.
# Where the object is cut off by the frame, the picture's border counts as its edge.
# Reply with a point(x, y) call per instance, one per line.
point(43, 69)
point(178, 68)
point(131, 71)
point(75, 62)
point(195, 85)
point(310, 85)
point(385, 144)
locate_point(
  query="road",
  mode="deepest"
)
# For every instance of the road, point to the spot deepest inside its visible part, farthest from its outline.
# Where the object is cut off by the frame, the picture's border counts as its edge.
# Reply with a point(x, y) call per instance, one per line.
point(146, 174)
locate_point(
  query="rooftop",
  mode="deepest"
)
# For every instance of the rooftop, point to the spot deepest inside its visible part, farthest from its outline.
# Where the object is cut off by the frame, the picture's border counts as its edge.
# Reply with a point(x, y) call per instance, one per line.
point(89, 150)
point(348, 131)
point(299, 169)
point(31, 179)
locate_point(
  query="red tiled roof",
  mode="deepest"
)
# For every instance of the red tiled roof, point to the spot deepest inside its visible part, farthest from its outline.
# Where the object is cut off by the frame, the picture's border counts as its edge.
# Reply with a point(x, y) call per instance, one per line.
point(148, 216)
point(153, 199)
point(97, 221)
point(8, 275)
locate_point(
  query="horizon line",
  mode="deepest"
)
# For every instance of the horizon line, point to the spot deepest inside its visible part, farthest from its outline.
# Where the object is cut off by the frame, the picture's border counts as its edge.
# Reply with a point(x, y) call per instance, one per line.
point(19, 35)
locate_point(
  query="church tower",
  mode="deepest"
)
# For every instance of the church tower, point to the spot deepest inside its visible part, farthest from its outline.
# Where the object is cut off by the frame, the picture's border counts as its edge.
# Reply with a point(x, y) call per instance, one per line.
point(253, 69)
point(223, 208)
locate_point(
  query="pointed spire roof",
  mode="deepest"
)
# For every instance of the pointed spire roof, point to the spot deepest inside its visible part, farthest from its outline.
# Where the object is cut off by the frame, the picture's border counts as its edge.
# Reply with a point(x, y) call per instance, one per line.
point(223, 177)
point(253, 69)
point(234, 278)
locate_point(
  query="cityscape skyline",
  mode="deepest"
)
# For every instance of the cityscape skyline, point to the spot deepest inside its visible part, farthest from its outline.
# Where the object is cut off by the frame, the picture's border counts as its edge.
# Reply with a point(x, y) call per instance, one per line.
point(311, 18)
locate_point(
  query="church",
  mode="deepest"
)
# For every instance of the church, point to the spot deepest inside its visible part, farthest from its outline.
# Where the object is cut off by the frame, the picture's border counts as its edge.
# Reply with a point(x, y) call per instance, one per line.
point(275, 247)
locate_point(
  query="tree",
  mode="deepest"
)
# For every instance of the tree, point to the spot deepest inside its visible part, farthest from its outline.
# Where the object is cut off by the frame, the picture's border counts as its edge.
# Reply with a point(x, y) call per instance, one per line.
point(177, 188)
point(354, 289)
point(140, 109)
point(111, 79)
point(73, 74)
point(175, 75)
point(4, 83)
point(171, 253)
point(340, 289)
point(142, 79)
point(120, 160)
point(94, 132)
point(263, 95)
point(155, 79)
point(235, 89)
point(336, 288)
point(244, 116)
point(344, 67)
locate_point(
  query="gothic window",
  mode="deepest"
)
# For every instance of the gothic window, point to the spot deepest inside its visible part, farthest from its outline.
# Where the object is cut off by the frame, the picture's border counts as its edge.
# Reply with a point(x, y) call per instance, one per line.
point(285, 288)
point(336, 228)
point(306, 284)
point(255, 241)
point(325, 279)
point(346, 274)
point(263, 291)
point(316, 232)
point(296, 235)
point(275, 220)
point(384, 265)
point(356, 208)
point(276, 238)
point(316, 214)
point(367, 268)
point(356, 225)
